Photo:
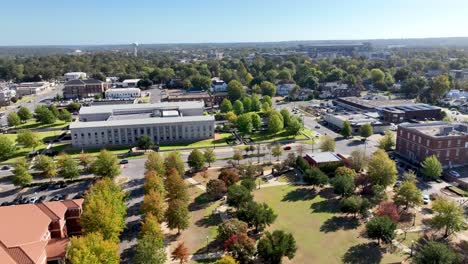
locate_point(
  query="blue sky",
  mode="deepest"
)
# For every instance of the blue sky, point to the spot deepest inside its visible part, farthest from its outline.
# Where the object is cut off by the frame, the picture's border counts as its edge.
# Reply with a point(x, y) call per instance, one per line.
point(55, 22)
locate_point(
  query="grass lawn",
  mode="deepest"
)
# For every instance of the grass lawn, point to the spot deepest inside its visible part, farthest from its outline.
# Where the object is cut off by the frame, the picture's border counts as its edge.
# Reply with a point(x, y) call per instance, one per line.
point(322, 234)
point(411, 236)
point(282, 135)
point(32, 124)
point(219, 141)
point(75, 152)
point(22, 152)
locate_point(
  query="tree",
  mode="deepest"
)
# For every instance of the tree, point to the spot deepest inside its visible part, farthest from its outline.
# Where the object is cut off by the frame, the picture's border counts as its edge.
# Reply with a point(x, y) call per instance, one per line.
point(64, 115)
point(7, 148)
point(144, 84)
point(346, 129)
point(377, 75)
point(431, 168)
point(382, 170)
point(259, 215)
point(295, 126)
point(351, 205)
point(231, 117)
point(241, 247)
point(256, 120)
point(46, 166)
point(447, 215)
point(387, 142)
point(229, 176)
point(231, 227)
point(327, 143)
point(196, 160)
point(44, 116)
point(358, 160)
point(249, 183)
point(286, 116)
point(237, 195)
point(315, 176)
point(150, 250)
point(153, 203)
point(177, 215)
point(200, 82)
point(275, 124)
point(86, 160)
point(366, 131)
point(408, 195)
point(216, 189)
point(92, 248)
point(388, 209)
point(73, 107)
point(21, 175)
point(409, 176)
point(106, 165)
point(154, 182)
point(175, 186)
point(266, 107)
point(209, 155)
point(244, 123)
point(28, 139)
point(343, 184)
point(24, 114)
point(440, 85)
point(268, 88)
point(235, 90)
point(155, 163)
point(272, 247)
point(225, 106)
point(381, 228)
point(247, 103)
point(145, 142)
point(68, 166)
point(13, 119)
point(180, 253)
point(276, 151)
point(226, 260)
point(436, 252)
point(174, 160)
point(238, 155)
point(104, 210)
point(238, 107)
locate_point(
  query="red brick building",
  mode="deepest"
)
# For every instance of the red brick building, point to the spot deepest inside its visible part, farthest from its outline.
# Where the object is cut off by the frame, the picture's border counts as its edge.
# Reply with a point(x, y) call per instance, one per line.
point(38, 233)
point(84, 88)
point(448, 141)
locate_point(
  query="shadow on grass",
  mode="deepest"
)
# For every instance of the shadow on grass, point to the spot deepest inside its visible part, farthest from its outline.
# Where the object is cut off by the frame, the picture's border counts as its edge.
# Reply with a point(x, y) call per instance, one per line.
point(209, 220)
point(300, 194)
point(339, 223)
point(327, 193)
point(201, 201)
point(365, 253)
point(213, 246)
point(325, 206)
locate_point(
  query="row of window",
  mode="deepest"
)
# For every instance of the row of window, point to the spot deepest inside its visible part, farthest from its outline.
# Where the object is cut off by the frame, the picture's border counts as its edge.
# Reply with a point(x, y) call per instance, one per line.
point(418, 139)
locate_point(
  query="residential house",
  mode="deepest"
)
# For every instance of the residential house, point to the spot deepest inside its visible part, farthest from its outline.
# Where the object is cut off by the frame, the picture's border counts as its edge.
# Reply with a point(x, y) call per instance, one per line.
point(284, 87)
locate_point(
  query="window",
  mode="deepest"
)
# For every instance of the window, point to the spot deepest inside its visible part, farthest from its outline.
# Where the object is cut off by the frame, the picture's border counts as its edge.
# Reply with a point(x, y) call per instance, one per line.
point(427, 142)
point(439, 144)
point(457, 152)
point(449, 142)
point(419, 139)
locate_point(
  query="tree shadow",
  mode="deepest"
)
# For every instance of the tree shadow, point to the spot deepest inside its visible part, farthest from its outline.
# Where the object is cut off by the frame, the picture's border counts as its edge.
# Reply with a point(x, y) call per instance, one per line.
point(209, 220)
point(325, 206)
point(213, 246)
point(365, 253)
point(201, 202)
point(127, 255)
point(327, 193)
point(355, 143)
point(300, 194)
point(134, 209)
point(339, 223)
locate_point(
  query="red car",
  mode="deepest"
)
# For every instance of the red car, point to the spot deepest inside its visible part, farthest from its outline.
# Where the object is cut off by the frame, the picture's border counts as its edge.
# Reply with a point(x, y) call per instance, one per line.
point(287, 148)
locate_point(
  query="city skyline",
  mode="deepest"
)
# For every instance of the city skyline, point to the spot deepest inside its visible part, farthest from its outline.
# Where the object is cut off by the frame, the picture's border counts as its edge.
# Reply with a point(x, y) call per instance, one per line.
point(122, 22)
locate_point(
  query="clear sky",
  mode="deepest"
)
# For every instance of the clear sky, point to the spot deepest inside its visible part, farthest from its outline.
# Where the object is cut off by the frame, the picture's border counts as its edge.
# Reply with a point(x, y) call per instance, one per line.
point(56, 22)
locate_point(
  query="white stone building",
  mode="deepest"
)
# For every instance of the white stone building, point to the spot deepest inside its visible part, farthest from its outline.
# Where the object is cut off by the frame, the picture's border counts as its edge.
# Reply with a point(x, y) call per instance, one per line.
point(74, 76)
point(123, 93)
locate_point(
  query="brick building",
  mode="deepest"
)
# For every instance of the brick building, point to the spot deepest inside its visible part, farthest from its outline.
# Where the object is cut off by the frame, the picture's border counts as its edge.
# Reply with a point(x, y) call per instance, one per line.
point(448, 141)
point(38, 233)
point(84, 88)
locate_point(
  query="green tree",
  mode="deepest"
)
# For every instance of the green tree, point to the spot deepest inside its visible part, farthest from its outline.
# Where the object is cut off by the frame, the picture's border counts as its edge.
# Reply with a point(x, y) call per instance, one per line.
point(24, 114)
point(86, 160)
point(64, 115)
point(276, 151)
point(448, 215)
point(13, 119)
point(238, 155)
point(153, 203)
point(351, 205)
point(387, 142)
point(343, 184)
point(366, 131)
point(257, 215)
point(272, 247)
point(247, 103)
point(436, 252)
point(382, 170)
point(346, 129)
point(358, 159)
point(210, 156)
point(150, 250)
point(155, 162)
point(408, 195)
point(238, 107)
point(225, 106)
point(44, 116)
point(104, 210)
point(175, 186)
point(7, 148)
point(215, 189)
point(177, 215)
point(174, 160)
point(267, 99)
point(286, 116)
point(28, 139)
point(440, 85)
point(249, 183)
point(21, 175)
point(106, 165)
point(295, 126)
point(145, 142)
point(235, 90)
point(196, 160)
point(268, 88)
point(315, 176)
point(256, 104)
point(327, 143)
point(237, 195)
point(154, 182)
point(92, 248)
point(200, 82)
point(256, 120)
point(46, 166)
point(377, 75)
point(381, 228)
point(231, 227)
point(431, 168)
point(275, 123)
point(244, 123)
point(68, 166)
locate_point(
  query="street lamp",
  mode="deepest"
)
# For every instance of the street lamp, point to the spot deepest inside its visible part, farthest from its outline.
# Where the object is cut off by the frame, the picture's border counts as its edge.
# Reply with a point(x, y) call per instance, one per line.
point(412, 246)
point(207, 238)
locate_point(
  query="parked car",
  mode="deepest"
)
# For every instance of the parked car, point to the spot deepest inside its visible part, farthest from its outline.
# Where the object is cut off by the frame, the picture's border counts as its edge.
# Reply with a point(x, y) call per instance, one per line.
point(6, 167)
point(426, 199)
point(287, 147)
point(43, 187)
point(33, 199)
point(454, 174)
point(124, 161)
point(57, 197)
point(42, 198)
point(317, 127)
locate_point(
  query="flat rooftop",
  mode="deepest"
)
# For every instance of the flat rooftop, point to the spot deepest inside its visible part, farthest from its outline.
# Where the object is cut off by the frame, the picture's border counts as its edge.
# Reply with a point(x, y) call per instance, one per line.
point(375, 103)
point(439, 129)
point(322, 157)
point(109, 109)
point(360, 118)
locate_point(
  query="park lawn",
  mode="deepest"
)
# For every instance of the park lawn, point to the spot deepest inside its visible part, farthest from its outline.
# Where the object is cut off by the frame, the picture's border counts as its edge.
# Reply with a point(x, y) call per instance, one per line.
point(33, 124)
point(75, 152)
point(260, 136)
point(322, 234)
point(410, 236)
point(23, 152)
point(220, 141)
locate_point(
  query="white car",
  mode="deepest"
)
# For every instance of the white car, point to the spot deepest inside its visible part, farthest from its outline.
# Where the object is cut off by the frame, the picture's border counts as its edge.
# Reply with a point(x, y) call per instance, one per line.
point(426, 199)
point(454, 174)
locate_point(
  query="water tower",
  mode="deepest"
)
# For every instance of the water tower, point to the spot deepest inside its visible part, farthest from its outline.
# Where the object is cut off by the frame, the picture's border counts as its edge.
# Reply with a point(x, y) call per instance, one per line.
point(135, 49)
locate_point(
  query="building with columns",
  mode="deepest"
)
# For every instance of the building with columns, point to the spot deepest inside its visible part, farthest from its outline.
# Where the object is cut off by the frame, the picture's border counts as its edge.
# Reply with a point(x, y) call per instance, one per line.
point(117, 125)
